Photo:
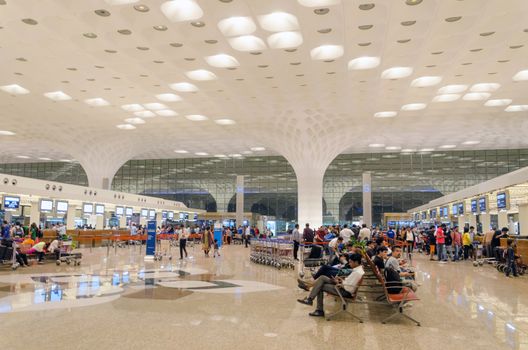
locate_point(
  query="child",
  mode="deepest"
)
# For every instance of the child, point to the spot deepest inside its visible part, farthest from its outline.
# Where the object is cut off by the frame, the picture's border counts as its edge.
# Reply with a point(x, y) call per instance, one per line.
point(511, 266)
point(215, 251)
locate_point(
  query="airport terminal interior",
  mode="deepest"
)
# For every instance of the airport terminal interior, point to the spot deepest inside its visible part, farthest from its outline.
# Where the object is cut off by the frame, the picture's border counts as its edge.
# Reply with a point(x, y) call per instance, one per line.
point(264, 174)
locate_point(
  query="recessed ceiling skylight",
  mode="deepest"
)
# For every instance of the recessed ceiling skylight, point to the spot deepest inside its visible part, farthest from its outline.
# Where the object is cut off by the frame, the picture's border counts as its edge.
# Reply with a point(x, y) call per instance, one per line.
point(448, 146)
point(23, 157)
point(181, 10)
point(247, 43)
point(393, 148)
point(386, 114)
point(14, 89)
point(220, 156)
point(498, 102)
point(427, 150)
point(201, 75)
point(134, 107)
point(376, 145)
point(471, 142)
point(136, 121)
point(327, 52)
point(225, 121)
point(145, 114)
point(413, 107)
point(279, 22)
point(485, 87)
point(517, 108)
point(257, 149)
point(57, 96)
point(6, 133)
point(222, 61)
point(166, 113)
point(184, 87)
point(154, 106)
point(452, 89)
point(426, 81)
point(365, 62)
point(196, 117)
point(236, 26)
point(476, 96)
point(446, 98)
point(408, 150)
point(521, 75)
point(396, 73)
point(181, 151)
point(168, 97)
point(44, 158)
point(97, 102)
point(201, 154)
point(319, 3)
point(285, 40)
point(126, 126)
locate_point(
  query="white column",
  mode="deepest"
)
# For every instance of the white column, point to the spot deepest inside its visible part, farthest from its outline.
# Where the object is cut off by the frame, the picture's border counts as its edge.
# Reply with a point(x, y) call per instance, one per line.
point(159, 219)
point(523, 219)
point(34, 213)
point(486, 222)
point(122, 221)
point(310, 198)
point(70, 217)
point(99, 222)
point(239, 199)
point(502, 219)
point(472, 220)
point(367, 198)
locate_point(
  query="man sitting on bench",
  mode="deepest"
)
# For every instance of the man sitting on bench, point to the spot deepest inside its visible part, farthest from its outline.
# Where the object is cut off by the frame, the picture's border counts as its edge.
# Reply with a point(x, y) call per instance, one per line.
point(340, 269)
point(327, 284)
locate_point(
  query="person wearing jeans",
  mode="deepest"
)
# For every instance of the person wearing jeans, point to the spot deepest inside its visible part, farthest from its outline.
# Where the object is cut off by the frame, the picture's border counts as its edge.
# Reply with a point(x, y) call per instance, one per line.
point(296, 238)
point(440, 243)
point(184, 235)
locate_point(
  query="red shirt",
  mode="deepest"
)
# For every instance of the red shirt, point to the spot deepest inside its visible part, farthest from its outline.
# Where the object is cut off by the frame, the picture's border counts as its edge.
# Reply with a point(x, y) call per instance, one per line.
point(440, 236)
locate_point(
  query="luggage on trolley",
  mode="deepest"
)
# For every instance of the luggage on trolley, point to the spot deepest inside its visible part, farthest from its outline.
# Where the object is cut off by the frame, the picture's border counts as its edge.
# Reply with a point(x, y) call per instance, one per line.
point(272, 252)
point(68, 255)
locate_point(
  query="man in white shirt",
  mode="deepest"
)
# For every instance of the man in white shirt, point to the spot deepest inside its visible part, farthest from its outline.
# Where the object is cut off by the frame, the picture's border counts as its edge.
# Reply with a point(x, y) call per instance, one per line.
point(296, 238)
point(346, 233)
point(364, 233)
point(247, 236)
point(327, 284)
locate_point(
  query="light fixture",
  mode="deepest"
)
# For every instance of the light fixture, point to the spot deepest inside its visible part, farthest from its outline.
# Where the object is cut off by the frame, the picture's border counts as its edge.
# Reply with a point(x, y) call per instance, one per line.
point(376, 145)
point(452, 89)
point(23, 157)
point(198, 24)
point(126, 126)
point(471, 142)
point(135, 121)
point(184, 87)
point(247, 152)
point(181, 10)
point(426, 149)
point(168, 97)
point(396, 73)
point(97, 102)
point(517, 108)
point(521, 75)
point(237, 26)
point(201, 154)
point(134, 107)
point(196, 117)
point(181, 151)
point(386, 114)
point(279, 22)
point(222, 61)
point(476, 96)
point(154, 106)
point(393, 148)
point(326, 52)
point(6, 133)
point(485, 87)
point(408, 150)
point(413, 107)
point(426, 81)
point(225, 121)
point(57, 96)
point(166, 113)
point(285, 40)
point(448, 146)
point(498, 102)
point(318, 3)
point(201, 75)
point(365, 62)
point(44, 158)
point(145, 114)
point(446, 98)
point(257, 149)
point(413, 2)
point(247, 43)
point(14, 89)
point(220, 156)
point(141, 8)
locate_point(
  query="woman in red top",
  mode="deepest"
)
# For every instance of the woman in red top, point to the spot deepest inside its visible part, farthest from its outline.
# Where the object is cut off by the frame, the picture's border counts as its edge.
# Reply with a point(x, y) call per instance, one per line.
point(440, 243)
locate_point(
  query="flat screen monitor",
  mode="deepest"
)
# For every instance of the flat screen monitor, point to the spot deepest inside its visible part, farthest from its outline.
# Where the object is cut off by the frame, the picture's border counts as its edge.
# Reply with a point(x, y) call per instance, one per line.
point(474, 206)
point(432, 214)
point(461, 208)
point(445, 212)
point(182, 216)
point(144, 213)
point(164, 215)
point(120, 211)
point(186, 217)
point(454, 209)
point(152, 214)
point(424, 215)
point(482, 205)
point(170, 215)
point(99, 209)
point(11, 202)
point(88, 208)
point(417, 217)
point(503, 201)
point(61, 206)
point(128, 211)
point(46, 205)
point(195, 217)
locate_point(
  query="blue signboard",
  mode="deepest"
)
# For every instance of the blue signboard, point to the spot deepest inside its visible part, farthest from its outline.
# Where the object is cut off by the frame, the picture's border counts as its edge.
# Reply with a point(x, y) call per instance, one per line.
point(151, 237)
point(218, 233)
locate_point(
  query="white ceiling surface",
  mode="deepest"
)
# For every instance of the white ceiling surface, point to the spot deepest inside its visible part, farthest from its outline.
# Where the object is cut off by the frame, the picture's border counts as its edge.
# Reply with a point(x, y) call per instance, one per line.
point(308, 112)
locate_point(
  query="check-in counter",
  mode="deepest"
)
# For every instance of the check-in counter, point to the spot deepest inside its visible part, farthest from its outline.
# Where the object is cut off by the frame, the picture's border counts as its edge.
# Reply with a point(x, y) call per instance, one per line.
point(521, 248)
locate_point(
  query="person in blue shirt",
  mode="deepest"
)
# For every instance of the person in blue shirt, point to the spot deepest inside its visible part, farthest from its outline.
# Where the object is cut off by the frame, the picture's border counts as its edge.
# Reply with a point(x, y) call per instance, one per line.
point(6, 229)
point(391, 234)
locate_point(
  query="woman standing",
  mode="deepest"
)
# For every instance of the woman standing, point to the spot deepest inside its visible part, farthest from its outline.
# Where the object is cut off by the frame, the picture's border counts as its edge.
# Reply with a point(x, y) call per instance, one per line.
point(207, 241)
point(184, 234)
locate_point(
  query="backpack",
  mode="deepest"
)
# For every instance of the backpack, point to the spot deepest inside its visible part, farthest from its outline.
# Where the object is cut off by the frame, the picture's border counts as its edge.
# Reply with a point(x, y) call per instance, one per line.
point(392, 281)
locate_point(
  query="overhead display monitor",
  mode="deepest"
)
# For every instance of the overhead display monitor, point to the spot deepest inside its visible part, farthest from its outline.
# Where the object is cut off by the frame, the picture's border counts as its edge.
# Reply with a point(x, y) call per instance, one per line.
point(182, 216)
point(170, 215)
point(461, 208)
point(129, 211)
point(454, 209)
point(503, 200)
point(11, 202)
point(120, 211)
point(432, 214)
point(99, 209)
point(88, 208)
point(61, 206)
point(164, 215)
point(46, 205)
point(483, 204)
point(424, 215)
point(445, 212)
point(144, 213)
point(195, 217)
point(186, 216)
point(152, 214)
point(474, 206)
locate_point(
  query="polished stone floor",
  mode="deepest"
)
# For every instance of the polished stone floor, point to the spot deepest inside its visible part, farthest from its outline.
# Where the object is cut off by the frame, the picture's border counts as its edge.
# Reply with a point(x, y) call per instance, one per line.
point(117, 301)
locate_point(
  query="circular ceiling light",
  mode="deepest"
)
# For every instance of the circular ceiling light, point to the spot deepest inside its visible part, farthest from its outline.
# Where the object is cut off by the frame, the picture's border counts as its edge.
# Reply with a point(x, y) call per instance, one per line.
point(124, 31)
point(376, 145)
point(225, 121)
point(6, 133)
point(102, 13)
point(426, 81)
point(366, 7)
point(201, 154)
point(365, 26)
point(198, 24)
point(160, 28)
point(135, 121)
point(448, 146)
point(141, 8)
point(181, 151)
point(453, 19)
point(322, 11)
point(30, 21)
point(365, 62)
point(257, 149)
point(326, 52)
point(413, 2)
point(393, 148)
point(167, 113)
point(201, 75)
point(324, 30)
point(426, 149)
point(385, 114)
point(90, 35)
point(184, 87)
point(196, 117)
point(408, 23)
point(211, 41)
point(471, 142)
point(396, 72)
point(176, 44)
point(126, 126)
point(413, 107)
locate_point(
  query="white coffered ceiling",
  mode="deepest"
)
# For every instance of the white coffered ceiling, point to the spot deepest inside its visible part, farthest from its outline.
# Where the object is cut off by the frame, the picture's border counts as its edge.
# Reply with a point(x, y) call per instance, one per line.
point(276, 77)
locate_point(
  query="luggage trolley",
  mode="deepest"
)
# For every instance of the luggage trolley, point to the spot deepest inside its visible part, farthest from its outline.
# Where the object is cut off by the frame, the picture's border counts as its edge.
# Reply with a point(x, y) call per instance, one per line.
point(286, 254)
point(67, 255)
point(8, 257)
point(163, 249)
